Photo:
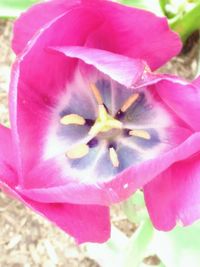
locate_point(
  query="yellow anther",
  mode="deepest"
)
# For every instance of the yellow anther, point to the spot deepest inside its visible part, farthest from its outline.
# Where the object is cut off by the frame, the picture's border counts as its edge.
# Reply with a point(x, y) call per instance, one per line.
point(79, 151)
point(113, 157)
point(140, 133)
point(96, 94)
point(72, 119)
point(129, 102)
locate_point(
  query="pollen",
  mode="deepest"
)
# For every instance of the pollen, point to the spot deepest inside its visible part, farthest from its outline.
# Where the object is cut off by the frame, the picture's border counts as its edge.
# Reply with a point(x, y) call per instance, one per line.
point(113, 157)
point(140, 133)
point(96, 94)
point(129, 102)
point(78, 151)
point(72, 119)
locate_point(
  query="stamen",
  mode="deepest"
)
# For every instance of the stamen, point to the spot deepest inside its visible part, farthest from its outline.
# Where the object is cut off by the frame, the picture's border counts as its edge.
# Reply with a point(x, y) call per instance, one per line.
point(96, 94)
point(72, 119)
point(113, 157)
point(140, 133)
point(129, 102)
point(78, 151)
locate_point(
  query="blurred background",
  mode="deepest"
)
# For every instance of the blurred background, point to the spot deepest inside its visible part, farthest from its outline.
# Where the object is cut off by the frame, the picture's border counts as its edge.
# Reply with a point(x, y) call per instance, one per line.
point(26, 239)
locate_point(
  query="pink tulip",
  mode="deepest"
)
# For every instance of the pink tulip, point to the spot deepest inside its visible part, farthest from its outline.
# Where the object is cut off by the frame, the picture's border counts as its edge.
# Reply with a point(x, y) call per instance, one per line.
point(90, 124)
point(174, 195)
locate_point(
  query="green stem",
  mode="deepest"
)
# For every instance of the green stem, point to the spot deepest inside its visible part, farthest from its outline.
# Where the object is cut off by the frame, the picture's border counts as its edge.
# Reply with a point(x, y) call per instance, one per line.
point(187, 23)
point(162, 5)
point(138, 244)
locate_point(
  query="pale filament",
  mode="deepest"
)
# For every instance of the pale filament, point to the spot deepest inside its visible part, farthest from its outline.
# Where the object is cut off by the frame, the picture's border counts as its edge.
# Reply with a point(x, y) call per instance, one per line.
point(96, 94)
point(129, 102)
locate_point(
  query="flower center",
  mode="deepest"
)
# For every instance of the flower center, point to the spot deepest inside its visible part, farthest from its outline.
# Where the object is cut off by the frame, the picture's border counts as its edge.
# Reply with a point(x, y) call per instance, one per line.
point(104, 122)
point(105, 128)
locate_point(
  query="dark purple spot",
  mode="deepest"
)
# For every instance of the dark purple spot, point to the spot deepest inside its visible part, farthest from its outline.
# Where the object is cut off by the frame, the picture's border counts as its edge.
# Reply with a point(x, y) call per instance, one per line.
point(93, 142)
point(112, 145)
point(89, 122)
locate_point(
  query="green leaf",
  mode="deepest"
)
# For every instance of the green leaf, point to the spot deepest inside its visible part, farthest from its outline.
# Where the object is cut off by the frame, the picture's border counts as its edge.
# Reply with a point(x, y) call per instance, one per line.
point(138, 244)
point(121, 251)
point(13, 8)
point(185, 24)
point(110, 253)
point(150, 5)
point(179, 247)
point(135, 209)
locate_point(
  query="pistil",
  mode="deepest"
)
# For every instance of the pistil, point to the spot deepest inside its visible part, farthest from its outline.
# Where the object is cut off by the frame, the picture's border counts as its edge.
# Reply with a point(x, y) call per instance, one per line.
point(104, 122)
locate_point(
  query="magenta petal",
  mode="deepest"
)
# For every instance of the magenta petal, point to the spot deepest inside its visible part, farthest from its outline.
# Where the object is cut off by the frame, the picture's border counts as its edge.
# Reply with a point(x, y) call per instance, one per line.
point(27, 25)
point(116, 190)
point(196, 82)
point(128, 31)
point(31, 89)
point(122, 69)
point(86, 223)
point(174, 195)
point(134, 33)
point(183, 100)
point(7, 157)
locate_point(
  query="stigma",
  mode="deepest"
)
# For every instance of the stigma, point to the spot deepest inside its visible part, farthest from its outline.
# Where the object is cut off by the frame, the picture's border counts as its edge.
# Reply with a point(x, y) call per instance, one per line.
point(104, 122)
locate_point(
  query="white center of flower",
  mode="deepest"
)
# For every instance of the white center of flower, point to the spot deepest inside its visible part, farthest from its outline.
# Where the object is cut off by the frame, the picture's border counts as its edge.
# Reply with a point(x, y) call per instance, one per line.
point(104, 127)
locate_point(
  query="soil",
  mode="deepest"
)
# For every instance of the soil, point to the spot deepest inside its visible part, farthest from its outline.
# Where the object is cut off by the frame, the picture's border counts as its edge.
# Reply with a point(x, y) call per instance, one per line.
point(28, 240)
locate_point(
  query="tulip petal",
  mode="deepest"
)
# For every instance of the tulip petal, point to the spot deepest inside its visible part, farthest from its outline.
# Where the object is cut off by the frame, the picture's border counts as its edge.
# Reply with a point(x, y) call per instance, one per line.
point(124, 70)
point(174, 195)
point(196, 82)
point(183, 100)
point(34, 93)
point(134, 33)
point(86, 223)
point(7, 157)
point(119, 32)
point(26, 25)
point(121, 187)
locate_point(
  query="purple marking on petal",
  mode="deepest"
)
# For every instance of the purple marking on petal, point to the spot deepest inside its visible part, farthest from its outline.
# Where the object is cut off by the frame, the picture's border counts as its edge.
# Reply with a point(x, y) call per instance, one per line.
point(72, 133)
point(89, 122)
point(104, 167)
point(144, 143)
point(120, 115)
point(112, 144)
point(127, 156)
point(104, 86)
point(147, 143)
point(92, 143)
point(86, 161)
